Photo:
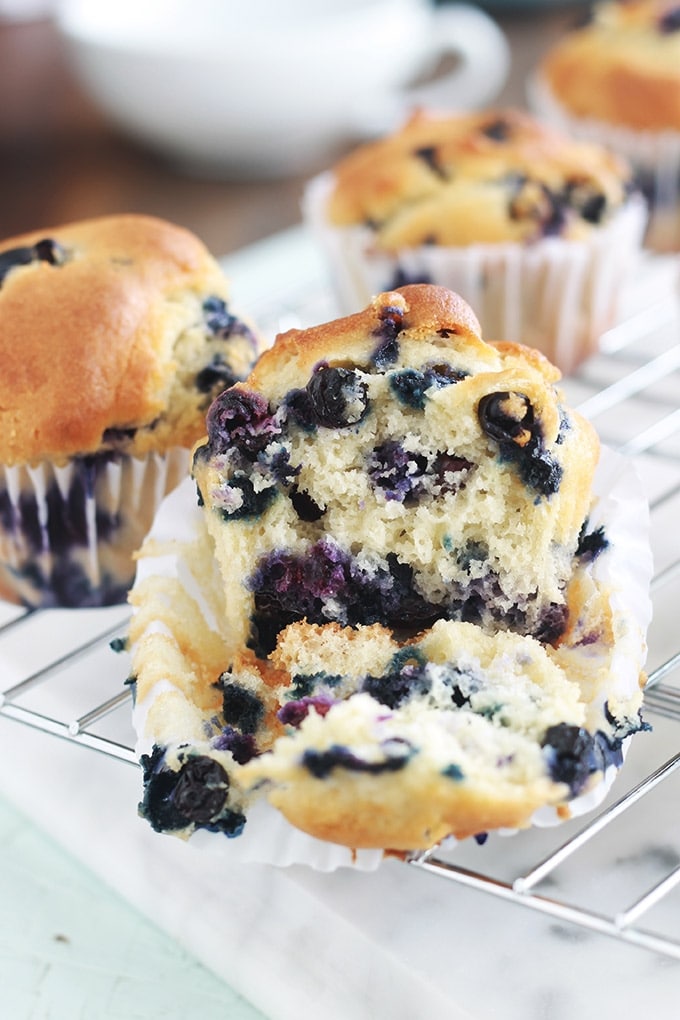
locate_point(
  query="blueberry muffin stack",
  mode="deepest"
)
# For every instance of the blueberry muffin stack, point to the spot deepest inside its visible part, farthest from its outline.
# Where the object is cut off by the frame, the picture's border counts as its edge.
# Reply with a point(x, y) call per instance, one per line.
point(115, 335)
point(402, 636)
point(536, 231)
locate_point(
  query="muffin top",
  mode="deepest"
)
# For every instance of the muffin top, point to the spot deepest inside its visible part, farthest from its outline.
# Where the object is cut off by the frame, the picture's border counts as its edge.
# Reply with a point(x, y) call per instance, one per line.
point(487, 177)
point(623, 67)
point(114, 334)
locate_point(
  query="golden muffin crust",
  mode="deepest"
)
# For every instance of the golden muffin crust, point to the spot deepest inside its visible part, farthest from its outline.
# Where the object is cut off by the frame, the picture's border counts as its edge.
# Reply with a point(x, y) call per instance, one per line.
point(102, 328)
point(473, 178)
point(623, 67)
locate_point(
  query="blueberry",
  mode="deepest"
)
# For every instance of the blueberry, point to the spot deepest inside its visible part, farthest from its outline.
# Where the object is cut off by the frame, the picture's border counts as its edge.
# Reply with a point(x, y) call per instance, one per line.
point(299, 407)
point(586, 199)
point(321, 763)
point(276, 459)
point(591, 543)
point(305, 507)
point(445, 374)
point(472, 552)
point(396, 471)
point(405, 678)
point(295, 712)
point(222, 323)
point(252, 502)
point(448, 472)
point(454, 772)
point(670, 21)
point(118, 436)
point(337, 397)
point(217, 316)
point(50, 251)
point(157, 805)
point(508, 418)
point(241, 745)
point(201, 789)
point(409, 386)
point(625, 727)
point(428, 155)
point(540, 471)
point(387, 350)
point(608, 751)
point(240, 707)
point(216, 374)
point(571, 753)
point(46, 250)
point(325, 583)
point(534, 201)
point(195, 795)
point(304, 684)
point(593, 208)
point(241, 419)
point(400, 606)
point(9, 519)
point(552, 623)
point(498, 130)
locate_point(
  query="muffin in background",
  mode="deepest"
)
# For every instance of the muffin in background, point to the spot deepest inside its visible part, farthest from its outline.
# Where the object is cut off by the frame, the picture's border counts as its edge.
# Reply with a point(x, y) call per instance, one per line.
point(616, 80)
point(115, 335)
point(537, 232)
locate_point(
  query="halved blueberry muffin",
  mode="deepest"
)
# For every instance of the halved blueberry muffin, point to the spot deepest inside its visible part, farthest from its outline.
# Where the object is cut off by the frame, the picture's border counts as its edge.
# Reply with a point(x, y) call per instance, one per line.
point(395, 609)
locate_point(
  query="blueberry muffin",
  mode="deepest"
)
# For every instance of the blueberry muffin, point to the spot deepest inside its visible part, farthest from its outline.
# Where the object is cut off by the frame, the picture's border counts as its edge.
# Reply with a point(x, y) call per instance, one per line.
point(386, 619)
point(616, 79)
point(115, 335)
point(534, 230)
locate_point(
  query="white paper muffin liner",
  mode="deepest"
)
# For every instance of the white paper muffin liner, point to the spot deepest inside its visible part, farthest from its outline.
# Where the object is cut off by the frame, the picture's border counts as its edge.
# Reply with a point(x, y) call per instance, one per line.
point(68, 533)
point(654, 155)
point(625, 566)
point(557, 295)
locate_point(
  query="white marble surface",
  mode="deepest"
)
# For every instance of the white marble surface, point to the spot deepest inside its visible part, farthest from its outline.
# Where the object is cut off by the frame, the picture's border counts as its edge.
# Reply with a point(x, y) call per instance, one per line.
point(395, 943)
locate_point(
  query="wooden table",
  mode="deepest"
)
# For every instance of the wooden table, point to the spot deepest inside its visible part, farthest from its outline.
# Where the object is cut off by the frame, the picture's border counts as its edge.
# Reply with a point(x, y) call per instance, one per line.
point(60, 160)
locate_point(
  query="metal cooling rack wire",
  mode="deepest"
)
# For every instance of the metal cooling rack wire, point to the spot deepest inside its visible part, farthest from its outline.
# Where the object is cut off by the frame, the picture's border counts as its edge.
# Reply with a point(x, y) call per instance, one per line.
point(78, 730)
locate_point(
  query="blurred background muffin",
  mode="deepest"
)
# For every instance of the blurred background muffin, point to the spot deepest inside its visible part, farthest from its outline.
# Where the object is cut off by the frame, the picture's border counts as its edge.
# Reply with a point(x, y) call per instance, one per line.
point(616, 79)
point(536, 231)
point(115, 335)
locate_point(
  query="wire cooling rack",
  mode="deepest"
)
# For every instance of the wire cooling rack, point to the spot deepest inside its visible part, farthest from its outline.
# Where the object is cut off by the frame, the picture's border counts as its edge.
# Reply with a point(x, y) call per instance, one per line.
point(617, 871)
